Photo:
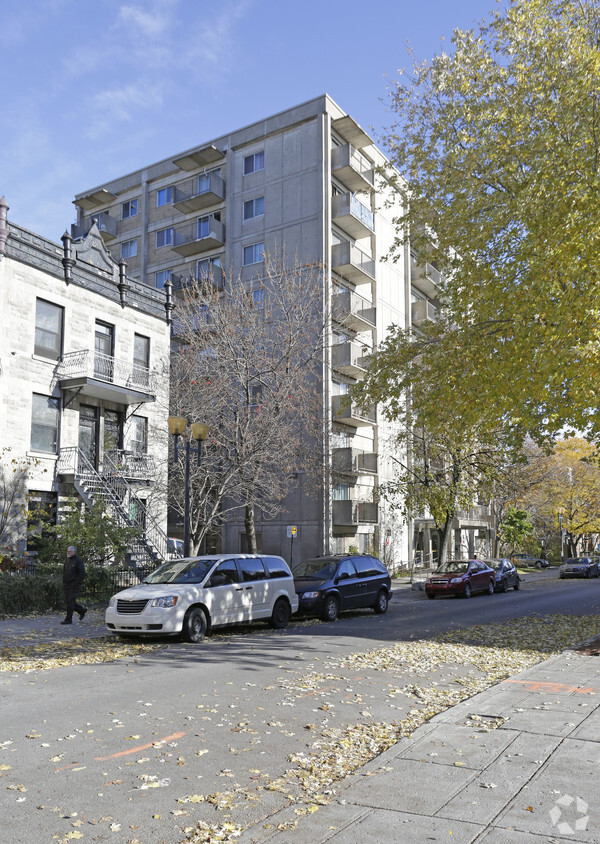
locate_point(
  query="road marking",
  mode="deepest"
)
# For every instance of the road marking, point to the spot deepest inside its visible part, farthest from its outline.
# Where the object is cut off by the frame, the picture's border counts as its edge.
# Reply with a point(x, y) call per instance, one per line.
point(539, 686)
point(139, 747)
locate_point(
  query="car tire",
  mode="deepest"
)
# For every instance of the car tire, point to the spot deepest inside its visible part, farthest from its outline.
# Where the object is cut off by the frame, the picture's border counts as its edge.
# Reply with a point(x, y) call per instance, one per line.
point(538, 564)
point(194, 625)
point(588, 574)
point(381, 604)
point(331, 608)
point(490, 589)
point(561, 577)
point(467, 592)
point(517, 584)
point(430, 595)
point(281, 614)
point(504, 586)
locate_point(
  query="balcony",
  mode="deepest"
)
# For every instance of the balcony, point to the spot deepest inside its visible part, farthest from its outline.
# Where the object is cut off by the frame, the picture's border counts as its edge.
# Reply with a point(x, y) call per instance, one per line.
point(351, 262)
point(367, 512)
point(353, 461)
point(198, 236)
point(105, 377)
point(422, 312)
point(352, 168)
point(352, 216)
point(348, 514)
point(134, 466)
point(426, 278)
point(185, 278)
point(350, 358)
point(346, 411)
point(354, 312)
point(198, 193)
point(107, 225)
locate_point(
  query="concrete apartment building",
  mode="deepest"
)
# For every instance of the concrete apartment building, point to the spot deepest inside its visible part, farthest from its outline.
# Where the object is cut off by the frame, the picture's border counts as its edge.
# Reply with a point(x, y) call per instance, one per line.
point(304, 181)
point(83, 382)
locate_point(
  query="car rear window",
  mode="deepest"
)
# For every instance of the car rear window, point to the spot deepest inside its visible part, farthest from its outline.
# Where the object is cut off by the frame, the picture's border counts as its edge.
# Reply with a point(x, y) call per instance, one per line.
point(276, 566)
point(252, 569)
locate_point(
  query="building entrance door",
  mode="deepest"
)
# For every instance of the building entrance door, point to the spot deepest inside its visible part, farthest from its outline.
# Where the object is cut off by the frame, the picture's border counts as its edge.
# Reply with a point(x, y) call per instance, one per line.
point(88, 433)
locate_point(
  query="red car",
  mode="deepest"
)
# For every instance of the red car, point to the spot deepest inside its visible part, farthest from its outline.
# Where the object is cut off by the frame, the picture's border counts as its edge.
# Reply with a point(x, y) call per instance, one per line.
point(461, 577)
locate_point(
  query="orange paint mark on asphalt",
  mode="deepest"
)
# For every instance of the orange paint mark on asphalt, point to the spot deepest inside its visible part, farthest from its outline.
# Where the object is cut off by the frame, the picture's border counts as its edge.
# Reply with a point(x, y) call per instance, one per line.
point(139, 747)
point(539, 686)
point(66, 767)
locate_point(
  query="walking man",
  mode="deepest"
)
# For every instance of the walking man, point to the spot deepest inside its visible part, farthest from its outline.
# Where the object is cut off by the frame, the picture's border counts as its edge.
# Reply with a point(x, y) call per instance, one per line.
point(73, 574)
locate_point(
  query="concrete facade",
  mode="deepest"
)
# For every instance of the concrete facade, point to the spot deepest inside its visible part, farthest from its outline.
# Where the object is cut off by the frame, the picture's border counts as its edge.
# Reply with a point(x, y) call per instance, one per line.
point(304, 181)
point(74, 389)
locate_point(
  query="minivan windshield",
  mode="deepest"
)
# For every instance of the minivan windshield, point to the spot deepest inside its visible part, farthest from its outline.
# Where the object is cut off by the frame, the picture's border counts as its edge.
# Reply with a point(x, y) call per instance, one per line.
point(319, 569)
point(181, 571)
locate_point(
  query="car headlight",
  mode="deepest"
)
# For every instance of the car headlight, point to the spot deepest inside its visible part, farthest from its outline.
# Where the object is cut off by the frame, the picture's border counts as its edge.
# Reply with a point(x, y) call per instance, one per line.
point(456, 580)
point(310, 595)
point(112, 601)
point(167, 601)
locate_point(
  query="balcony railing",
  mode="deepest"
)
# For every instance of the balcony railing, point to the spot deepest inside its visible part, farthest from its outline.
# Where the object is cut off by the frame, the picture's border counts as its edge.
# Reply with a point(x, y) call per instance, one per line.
point(90, 371)
point(107, 225)
point(352, 216)
point(199, 192)
point(426, 278)
point(198, 236)
point(351, 262)
point(347, 513)
point(350, 358)
point(354, 311)
point(132, 465)
point(347, 411)
point(186, 277)
point(422, 311)
point(352, 461)
point(352, 168)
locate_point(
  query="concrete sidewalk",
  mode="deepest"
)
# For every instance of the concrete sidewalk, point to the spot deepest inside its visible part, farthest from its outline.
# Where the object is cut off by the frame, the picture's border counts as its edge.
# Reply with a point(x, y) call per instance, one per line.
point(516, 763)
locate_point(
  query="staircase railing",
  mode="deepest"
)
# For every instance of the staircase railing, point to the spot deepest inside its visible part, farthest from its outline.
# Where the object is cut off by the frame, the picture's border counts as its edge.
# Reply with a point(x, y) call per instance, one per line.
point(112, 488)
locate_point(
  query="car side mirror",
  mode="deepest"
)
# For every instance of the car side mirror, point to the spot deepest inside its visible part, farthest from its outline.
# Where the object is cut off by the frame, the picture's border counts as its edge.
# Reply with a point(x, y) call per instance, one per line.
point(343, 576)
point(218, 580)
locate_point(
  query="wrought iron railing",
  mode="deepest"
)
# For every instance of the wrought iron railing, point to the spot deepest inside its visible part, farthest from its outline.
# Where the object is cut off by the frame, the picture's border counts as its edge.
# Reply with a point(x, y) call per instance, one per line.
point(103, 367)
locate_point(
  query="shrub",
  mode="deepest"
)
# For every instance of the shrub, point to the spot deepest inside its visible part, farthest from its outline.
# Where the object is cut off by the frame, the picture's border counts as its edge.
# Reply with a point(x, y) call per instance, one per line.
point(24, 594)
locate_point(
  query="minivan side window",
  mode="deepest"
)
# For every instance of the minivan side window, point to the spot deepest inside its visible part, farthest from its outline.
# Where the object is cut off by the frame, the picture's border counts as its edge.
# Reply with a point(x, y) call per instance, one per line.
point(225, 574)
point(276, 567)
point(346, 569)
point(365, 566)
point(252, 569)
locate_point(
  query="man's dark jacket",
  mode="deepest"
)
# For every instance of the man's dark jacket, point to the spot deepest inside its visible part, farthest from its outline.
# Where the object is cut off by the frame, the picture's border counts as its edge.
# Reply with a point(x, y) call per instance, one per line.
point(73, 573)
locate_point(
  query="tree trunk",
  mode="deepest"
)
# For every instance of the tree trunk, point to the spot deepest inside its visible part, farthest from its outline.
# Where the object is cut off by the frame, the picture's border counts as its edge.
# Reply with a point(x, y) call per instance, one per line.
point(250, 529)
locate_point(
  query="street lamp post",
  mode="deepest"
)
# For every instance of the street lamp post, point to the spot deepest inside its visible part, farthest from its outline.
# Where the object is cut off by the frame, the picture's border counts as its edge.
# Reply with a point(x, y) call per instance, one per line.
point(562, 537)
point(177, 425)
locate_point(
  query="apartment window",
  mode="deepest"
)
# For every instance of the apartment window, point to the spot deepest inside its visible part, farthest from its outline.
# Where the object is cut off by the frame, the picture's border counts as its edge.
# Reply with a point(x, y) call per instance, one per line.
point(48, 329)
point(141, 360)
point(341, 492)
point(254, 208)
point(164, 196)
point(44, 424)
point(258, 298)
point(129, 209)
point(138, 438)
point(129, 248)
point(164, 237)
point(254, 162)
point(161, 277)
point(253, 254)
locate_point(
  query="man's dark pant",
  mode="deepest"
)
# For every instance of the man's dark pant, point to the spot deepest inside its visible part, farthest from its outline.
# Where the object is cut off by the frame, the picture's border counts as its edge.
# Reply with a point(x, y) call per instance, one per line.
point(71, 596)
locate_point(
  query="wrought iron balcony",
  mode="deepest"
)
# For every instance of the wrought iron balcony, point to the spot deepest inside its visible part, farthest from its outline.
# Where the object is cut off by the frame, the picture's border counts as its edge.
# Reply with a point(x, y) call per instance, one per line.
point(106, 377)
point(134, 466)
point(351, 262)
point(352, 216)
point(352, 168)
point(198, 193)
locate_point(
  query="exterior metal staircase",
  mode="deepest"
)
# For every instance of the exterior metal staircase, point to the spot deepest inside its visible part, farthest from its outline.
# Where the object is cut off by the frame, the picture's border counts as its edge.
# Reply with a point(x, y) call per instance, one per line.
point(110, 488)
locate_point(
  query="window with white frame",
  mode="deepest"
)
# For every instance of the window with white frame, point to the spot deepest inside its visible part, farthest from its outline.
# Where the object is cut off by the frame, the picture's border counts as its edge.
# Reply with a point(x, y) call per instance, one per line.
point(138, 435)
point(48, 329)
point(254, 162)
point(164, 196)
point(129, 248)
point(253, 254)
point(254, 208)
point(164, 237)
point(161, 277)
point(129, 209)
point(44, 424)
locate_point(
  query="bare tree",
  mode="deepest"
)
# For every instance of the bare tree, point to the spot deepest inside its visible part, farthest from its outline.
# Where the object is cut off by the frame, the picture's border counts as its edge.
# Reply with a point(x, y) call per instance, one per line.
point(246, 364)
point(14, 473)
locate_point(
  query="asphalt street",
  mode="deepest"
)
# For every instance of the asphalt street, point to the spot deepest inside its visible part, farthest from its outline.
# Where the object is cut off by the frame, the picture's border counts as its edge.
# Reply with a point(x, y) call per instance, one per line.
point(142, 748)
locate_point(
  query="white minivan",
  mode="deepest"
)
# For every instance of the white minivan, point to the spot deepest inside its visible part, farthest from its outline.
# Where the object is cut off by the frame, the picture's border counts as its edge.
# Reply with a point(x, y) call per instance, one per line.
point(192, 595)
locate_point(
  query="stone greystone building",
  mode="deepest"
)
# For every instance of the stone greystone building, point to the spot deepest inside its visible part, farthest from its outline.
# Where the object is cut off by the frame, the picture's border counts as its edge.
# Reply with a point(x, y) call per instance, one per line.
point(304, 180)
point(84, 381)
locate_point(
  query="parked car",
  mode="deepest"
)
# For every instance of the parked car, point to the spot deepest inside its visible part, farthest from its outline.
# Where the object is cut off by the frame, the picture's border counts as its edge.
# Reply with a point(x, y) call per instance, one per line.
point(327, 585)
point(579, 567)
point(461, 577)
point(528, 560)
point(506, 574)
point(195, 594)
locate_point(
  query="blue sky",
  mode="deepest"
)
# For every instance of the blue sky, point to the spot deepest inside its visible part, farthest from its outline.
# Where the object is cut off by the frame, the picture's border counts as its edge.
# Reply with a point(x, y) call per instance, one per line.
point(94, 90)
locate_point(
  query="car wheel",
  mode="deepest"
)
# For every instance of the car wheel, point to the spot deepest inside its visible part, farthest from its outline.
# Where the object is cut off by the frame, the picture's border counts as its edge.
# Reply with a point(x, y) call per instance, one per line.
point(467, 592)
point(331, 608)
point(504, 586)
point(561, 576)
point(194, 625)
point(538, 564)
point(281, 614)
point(430, 595)
point(517, 584)
point(381, 604)
point(588, 574)
point(490, 589)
